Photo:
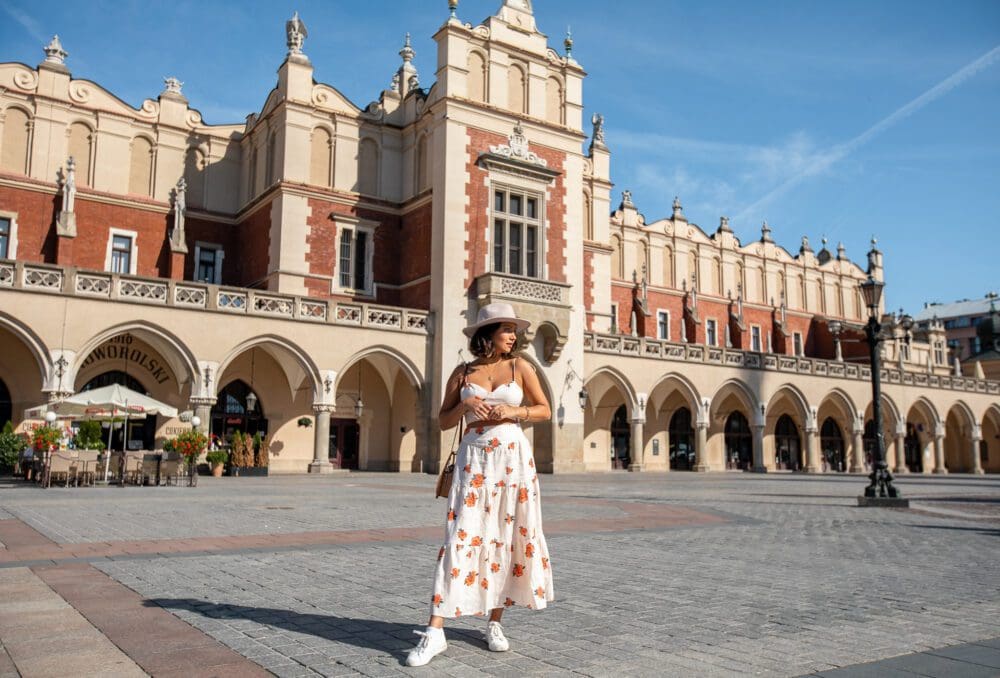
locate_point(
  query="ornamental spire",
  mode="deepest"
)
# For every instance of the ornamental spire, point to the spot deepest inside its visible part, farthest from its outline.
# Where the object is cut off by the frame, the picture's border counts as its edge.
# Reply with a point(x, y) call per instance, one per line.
point(54, 52)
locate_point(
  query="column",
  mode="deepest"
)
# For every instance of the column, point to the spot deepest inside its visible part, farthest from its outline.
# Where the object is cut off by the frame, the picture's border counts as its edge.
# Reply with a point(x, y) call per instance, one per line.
point(758, 450)
point(939, 466)
point(976, 465)
point(900, 446)
point(203, 410)
point(812, 451)
point(701, 446)
point(635, 464)
point(321, 443)
point(857, 450)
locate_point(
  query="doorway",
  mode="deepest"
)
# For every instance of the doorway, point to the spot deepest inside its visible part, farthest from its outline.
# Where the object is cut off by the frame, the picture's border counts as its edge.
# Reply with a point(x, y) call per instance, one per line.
point(739, 442)
point(345, 438)
point(621, 436)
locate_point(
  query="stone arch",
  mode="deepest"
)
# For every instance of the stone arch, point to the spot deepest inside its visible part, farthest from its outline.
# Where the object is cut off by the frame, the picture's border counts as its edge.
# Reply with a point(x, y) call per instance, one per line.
point(517, 85)
point(670, 393)
point(839, 399)
point(959, 424)
point(478, 77)
point(892, 426)
point(195, 168)
point(922, 423)
point(548, 342)
point(617, 258)
point(554, 98)
point(422, 172)
point(393, 416)
point(837, 406)
point(16, 139)
point(989, 448)
point(794, 396)
point(368, 166)
point(140, 177)
point(35, 345)
point(321, 156)
point(718, 286)
point(180, 359)
point(731, 396)
point(788, 402)
point(296, 365)
point(668, 267)
point(608, 390)
point(80, 147)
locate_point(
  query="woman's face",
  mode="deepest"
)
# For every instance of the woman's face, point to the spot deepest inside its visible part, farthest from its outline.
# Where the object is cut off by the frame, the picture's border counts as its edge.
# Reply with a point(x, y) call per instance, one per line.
point(505, 337)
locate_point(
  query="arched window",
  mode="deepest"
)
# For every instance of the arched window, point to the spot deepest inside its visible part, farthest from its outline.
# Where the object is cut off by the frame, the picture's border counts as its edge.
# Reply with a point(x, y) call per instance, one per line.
point(668, 267)
point(423, 180)
point(761, 285)
point(642, 260)
point(80, 146)
point(140, 176)
point(252, 172)
point(194, 174)
point(681, 441)
point(115, 377)
point(617, 258)
point(831, 443)
point(802, 293)
point(741, 285)
point(368, 167)
point(720, 288)
point(693, 278)
point(477, 83)
point(781, 287)
point(839, 299)
point(787, 445)
point(820, 297)
point(554, 100)
point(739, 442)
point(16, 133)
point(320, 157)
point(230, 412)
point(272, 159)
point(517, 98)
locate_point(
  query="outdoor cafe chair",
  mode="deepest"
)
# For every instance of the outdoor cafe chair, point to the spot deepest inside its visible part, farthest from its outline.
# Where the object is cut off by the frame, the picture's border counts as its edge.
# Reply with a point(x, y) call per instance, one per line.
point(170, 468)
point(131, 468)
point(87, 467)
point(61, 467)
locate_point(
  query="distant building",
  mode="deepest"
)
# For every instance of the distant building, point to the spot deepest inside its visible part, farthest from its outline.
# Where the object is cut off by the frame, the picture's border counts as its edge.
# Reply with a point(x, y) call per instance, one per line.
point(960, 319)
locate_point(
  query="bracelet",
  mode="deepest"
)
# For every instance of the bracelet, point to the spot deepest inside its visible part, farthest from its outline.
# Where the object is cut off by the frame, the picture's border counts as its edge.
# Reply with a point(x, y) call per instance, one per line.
point(527, 413)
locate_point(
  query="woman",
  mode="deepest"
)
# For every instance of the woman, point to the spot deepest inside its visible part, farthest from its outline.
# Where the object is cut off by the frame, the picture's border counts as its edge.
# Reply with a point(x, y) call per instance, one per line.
point(494, 555)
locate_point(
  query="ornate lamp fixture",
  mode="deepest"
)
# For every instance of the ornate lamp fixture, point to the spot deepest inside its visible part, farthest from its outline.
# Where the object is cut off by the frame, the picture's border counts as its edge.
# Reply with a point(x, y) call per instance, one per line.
point(251, 396)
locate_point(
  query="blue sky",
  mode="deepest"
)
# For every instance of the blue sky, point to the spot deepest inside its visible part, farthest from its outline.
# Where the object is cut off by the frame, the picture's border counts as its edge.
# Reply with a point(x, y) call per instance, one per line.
point(842, 119)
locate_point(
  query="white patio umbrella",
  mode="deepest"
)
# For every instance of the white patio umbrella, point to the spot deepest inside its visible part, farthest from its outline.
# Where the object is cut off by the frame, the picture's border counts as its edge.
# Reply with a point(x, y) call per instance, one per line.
point(107, 402)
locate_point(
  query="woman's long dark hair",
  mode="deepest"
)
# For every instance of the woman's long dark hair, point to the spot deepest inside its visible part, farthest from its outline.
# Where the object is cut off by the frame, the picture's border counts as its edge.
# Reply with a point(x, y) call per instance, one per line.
point(481, 343)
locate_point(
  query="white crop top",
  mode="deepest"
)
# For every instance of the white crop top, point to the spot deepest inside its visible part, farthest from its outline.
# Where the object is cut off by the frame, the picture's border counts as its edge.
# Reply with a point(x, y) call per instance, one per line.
point(509, 393)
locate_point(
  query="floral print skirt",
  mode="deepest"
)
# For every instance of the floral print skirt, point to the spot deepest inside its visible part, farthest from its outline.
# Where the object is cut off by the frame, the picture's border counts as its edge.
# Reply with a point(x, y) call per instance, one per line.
point(494, 552)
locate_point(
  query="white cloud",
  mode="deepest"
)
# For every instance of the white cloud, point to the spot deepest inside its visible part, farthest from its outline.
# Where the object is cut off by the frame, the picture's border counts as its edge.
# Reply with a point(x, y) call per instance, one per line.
point(27, 22)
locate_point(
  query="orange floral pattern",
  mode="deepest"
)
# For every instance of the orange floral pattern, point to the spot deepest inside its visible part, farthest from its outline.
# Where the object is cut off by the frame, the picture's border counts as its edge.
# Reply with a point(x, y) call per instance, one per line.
point(494, 501)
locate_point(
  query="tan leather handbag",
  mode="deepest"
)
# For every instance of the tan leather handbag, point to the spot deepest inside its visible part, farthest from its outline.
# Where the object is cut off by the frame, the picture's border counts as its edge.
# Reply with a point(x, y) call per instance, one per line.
point(448, 470)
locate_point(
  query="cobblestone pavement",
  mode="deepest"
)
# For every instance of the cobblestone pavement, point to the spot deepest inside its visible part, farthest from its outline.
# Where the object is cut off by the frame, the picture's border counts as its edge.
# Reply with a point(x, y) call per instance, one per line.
point(788, 577)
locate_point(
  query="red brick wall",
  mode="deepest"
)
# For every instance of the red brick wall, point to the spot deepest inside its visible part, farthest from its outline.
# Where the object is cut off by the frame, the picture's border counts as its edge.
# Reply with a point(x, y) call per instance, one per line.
point(661, 301)
point(414, 261)
point(480, 198)
point(622, 296)
point(36, 216)
point(214, 233)
point(255, 245)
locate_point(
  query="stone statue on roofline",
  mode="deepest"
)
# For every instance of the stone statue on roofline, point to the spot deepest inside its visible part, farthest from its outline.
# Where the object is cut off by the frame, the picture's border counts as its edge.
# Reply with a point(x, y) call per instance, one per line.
point(69, 186)
point(597, 120)
point(297, 34)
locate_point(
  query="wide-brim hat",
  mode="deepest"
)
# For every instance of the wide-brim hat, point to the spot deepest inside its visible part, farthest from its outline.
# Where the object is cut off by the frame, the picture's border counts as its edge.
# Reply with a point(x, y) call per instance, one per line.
point(496, 313)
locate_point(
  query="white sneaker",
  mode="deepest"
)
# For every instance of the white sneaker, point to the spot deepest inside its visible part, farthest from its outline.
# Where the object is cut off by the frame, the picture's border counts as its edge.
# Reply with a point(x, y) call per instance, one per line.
point(495, 638)
point(431, 644)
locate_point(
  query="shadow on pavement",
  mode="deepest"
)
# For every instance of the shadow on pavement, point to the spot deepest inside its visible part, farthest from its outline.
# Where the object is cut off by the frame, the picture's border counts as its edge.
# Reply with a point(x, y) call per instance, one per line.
point(393, 638)
point(994, 531)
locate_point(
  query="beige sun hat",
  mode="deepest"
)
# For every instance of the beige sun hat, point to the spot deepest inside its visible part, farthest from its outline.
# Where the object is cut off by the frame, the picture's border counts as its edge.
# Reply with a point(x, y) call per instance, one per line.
point(496, 313)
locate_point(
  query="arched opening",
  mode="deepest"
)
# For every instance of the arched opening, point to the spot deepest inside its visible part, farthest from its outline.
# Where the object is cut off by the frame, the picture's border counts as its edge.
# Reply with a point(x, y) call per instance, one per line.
point(320, 157)
point(6, 405)
point(140, 179)
point(235, 410)
point(80, 146)
point(668, 396)
point(368, 167)
point(136, 434)
point(516, 89)
point(787, 444)
point(870, 442)
point(621, 437)
point(195, 166)
point(739, 442)
point(681, 432)
point(921, 424)
point(16, 135)
point(831, 442)
point(890, 426)
point(989, 448)
point(958, 439)
point(554, 101)
point(477, 76)
point(668, 267)
point(914, 447)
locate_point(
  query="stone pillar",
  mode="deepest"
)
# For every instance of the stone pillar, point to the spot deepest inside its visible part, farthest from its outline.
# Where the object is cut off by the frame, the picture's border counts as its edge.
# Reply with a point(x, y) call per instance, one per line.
point(321, 443)
point(857, 449)
point(203, 410)
point(701, 446)
point(976, 465)
point(636, 463)
point(900, 446)
point(939, 466)
point(758, 450)
point(813, 464)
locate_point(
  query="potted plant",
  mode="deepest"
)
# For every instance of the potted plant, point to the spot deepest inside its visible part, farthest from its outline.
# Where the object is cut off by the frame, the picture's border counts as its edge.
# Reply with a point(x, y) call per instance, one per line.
point(89, 436)
point(217, 460)
point(11, 446)
point(249, 455)
point(45, 438)
point(190, 444)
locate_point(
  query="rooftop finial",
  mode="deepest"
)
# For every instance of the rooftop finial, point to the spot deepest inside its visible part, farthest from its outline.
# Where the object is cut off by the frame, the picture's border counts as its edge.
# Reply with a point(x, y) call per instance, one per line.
point(874, 242)
point(597, 120)
point(765, 232)
point(172, 85)
point(724, 225)
point(407, 52)
point(453, 7)
point(678, 209)
point(568, 43)
point(54, 52)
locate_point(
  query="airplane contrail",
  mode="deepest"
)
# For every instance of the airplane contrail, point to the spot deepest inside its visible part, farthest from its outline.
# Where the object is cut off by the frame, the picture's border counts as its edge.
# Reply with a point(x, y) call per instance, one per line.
point(836, 153)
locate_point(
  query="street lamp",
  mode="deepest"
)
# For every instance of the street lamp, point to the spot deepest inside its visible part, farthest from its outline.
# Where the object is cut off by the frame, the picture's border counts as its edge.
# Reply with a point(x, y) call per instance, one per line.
point(50, 417)
point(880, 491)
point(582, 397)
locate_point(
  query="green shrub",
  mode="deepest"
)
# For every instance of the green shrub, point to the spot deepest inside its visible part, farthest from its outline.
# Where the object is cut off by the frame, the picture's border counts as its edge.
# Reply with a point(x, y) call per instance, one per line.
point(217, 457)
point(11, 445)
point(89, 436)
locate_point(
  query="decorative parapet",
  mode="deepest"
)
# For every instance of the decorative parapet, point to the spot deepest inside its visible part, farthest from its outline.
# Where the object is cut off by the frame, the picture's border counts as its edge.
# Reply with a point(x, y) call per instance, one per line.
point(517, 288)
point(198, 296)
point(643, 347)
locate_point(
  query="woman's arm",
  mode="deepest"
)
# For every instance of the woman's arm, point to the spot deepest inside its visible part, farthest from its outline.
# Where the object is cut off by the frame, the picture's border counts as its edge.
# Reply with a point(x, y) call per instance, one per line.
point(452, 408)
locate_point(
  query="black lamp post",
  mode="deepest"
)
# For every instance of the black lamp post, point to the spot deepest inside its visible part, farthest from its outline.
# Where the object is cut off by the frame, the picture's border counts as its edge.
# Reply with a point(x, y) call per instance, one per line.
point(880, 491)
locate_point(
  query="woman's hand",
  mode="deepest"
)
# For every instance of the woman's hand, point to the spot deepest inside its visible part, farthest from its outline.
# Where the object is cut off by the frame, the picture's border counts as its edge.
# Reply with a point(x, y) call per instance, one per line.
point(478, 407)
point(506, 412)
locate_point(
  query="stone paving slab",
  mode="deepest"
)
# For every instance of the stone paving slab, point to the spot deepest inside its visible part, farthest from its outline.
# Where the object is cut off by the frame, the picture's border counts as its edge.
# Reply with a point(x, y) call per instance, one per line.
point(969, 660)
point(44, 636)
